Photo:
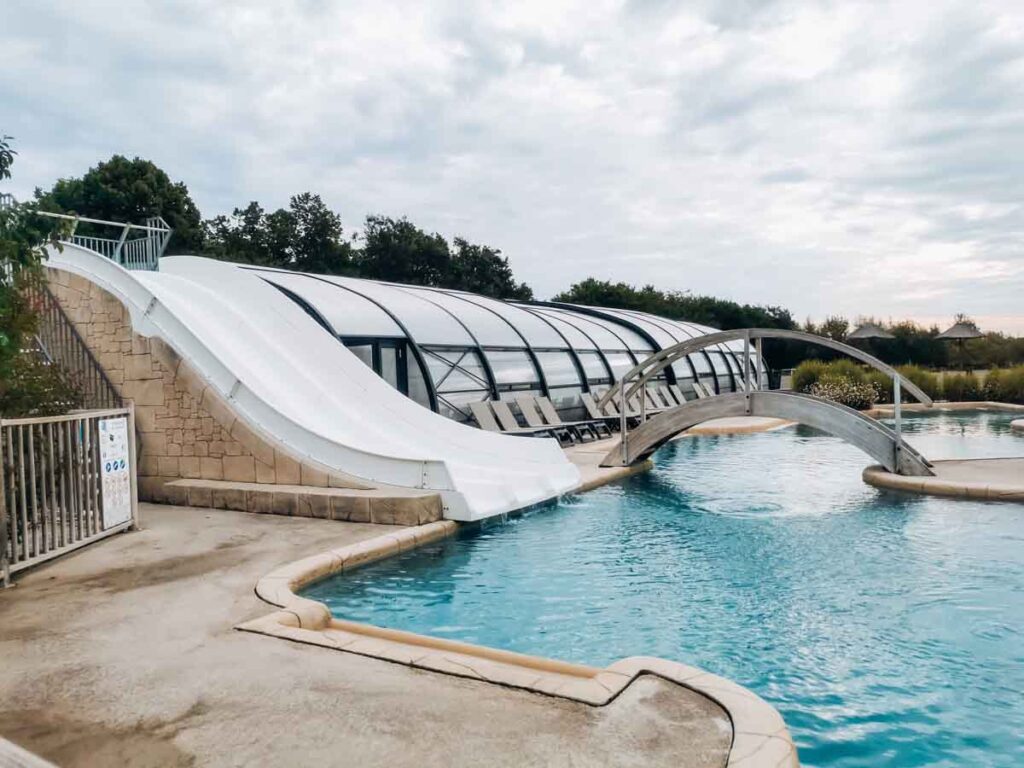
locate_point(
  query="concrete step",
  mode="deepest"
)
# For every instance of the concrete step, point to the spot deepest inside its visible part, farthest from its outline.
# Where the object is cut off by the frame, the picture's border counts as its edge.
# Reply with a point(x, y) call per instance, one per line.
point(390, 506)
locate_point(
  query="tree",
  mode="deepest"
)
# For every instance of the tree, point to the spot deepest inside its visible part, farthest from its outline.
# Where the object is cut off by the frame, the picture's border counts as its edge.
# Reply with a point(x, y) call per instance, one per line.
point(835, 328)
point(677, 305)
point(319, 243)
point(307, 236)
point(6, 157)
point(130, 191)
point(28, 387)
point(397, 250)
point(482, 269)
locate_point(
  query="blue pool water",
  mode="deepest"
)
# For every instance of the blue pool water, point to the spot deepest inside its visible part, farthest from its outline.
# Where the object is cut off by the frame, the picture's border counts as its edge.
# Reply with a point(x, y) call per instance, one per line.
point(887, 629)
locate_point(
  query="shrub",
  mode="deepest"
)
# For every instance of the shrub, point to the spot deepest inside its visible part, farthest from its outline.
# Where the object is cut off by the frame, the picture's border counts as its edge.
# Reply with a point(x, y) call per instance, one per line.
point(882, 385)
point(807, 374)
point(961, 387)
point(927, 381)
point(847, 369)
point(854, 394)
point(992, 388)
point(1010, 385)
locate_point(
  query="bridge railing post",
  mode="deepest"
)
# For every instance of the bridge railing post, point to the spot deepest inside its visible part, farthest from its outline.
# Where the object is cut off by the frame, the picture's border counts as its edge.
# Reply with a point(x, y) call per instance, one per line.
point(746, 368)
point(897, 416)
point(623, 421)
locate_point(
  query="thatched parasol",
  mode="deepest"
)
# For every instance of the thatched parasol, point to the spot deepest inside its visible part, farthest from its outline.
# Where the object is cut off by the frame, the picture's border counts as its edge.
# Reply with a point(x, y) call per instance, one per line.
point(869, 331)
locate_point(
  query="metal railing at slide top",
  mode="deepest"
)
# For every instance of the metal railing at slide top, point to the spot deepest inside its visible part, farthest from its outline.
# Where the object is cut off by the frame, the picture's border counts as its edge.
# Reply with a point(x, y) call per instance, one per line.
point(135, 246)
point(65, 481)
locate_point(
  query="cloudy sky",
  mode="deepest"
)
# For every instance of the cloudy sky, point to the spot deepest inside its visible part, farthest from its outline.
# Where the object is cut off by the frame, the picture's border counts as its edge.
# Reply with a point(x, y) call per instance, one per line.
point(854, 158)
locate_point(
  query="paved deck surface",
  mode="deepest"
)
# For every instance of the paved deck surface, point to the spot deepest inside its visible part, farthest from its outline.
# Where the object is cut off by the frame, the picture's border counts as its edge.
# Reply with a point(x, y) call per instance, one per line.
point(125, 654)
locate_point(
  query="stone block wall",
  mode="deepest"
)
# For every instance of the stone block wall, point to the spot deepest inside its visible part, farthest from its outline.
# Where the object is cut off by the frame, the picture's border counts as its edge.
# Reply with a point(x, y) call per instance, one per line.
point(187, 429)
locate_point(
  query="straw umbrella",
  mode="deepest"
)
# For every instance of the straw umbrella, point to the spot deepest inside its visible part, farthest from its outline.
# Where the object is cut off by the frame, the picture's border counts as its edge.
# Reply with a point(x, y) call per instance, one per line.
point(869, 331)
point(960, 332)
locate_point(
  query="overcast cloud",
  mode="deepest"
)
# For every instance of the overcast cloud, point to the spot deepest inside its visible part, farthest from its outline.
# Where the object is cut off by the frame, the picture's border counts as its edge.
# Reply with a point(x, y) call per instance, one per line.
point(832, 158)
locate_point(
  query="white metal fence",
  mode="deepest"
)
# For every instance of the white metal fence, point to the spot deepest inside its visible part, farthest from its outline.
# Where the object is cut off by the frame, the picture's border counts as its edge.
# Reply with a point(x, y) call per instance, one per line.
point(66, 481)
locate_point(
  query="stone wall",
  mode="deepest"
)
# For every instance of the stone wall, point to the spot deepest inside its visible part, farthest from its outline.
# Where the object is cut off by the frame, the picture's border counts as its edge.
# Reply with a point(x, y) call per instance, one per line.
point(187, 430)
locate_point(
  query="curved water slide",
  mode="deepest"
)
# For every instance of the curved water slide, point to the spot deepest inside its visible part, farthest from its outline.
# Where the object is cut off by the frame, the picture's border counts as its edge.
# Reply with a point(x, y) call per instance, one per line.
point(302, 391)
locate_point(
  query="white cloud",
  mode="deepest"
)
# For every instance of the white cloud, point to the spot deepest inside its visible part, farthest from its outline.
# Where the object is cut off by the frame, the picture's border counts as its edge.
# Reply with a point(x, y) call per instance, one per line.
point(830, 157)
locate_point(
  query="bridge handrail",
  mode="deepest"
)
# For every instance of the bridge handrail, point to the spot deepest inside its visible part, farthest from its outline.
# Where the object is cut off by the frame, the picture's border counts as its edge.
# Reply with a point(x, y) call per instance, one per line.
point(658, 361)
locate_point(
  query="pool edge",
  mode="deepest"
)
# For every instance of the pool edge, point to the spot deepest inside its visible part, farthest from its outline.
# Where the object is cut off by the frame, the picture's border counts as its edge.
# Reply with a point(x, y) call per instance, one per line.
point(759, 734)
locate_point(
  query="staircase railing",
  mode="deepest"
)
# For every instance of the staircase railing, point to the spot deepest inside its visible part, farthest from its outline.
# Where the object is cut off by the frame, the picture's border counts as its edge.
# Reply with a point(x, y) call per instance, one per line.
point(64, 347)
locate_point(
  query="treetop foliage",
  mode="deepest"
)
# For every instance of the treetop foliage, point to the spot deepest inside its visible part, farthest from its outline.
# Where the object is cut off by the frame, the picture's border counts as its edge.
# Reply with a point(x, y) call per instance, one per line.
point(124, 190)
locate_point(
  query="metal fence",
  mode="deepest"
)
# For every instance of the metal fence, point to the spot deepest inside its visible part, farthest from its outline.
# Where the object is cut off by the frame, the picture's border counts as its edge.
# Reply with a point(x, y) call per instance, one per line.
point(66, 481)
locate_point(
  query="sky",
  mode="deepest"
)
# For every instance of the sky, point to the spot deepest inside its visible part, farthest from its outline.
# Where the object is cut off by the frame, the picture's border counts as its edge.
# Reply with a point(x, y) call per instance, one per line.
point(833, 158)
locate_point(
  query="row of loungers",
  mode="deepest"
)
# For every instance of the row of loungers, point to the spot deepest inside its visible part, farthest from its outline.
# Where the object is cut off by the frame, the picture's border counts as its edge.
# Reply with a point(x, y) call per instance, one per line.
point(543, 420)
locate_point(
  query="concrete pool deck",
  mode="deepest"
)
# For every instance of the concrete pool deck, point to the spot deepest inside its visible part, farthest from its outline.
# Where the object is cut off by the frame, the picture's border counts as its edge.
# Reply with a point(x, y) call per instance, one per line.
point(126, 654)
point(982, 479)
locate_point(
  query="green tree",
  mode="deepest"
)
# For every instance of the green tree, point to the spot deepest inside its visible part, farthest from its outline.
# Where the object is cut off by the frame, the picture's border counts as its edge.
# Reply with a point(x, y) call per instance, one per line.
point(835, 328)
point(131, 191)
point(28, 387)
point(306, 236)
point(397, 250)
point(482, 269)
point(6, 157)
point(678, 305)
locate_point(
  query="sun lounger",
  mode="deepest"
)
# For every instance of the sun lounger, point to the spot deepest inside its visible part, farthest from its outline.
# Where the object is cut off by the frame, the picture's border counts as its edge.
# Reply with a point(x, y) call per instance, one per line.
point(528, 407)
point(595, 427)
point(485, 415)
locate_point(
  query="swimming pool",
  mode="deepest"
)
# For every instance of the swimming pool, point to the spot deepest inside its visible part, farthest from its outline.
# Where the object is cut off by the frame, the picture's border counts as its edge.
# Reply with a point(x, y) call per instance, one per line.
point(887, 629)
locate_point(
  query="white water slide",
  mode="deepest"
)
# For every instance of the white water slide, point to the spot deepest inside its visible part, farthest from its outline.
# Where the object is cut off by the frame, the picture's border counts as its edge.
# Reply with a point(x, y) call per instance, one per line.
point(304, 392)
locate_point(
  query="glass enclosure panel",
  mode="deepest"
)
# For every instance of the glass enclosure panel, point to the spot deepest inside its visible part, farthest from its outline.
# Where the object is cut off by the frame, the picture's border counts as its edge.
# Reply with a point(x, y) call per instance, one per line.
point(700, 363)
point(718, 362)
point(426, 322)
point(512, 366)
point(536, 332)
point(363, 351)
point(488, 328)
point(603, 332)
point(651, 326)
point(455, 405)
point(417, 384)
point(559, 368)
point(620, 363)
point(348, 313)
point(593, 366)
point(682, 371)
point(633, 340)
point(567, 401)
point(389, 365)
point(456, 370)
point(576, 338)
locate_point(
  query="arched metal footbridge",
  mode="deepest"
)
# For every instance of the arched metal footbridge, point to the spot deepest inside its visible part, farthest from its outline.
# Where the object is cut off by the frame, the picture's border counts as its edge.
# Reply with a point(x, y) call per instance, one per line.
point(883, 444)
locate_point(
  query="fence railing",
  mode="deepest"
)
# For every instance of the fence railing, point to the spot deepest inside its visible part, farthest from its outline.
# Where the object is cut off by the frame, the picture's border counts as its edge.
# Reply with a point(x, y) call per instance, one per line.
point(64, 347)
point(65, 481)
point(137, 246)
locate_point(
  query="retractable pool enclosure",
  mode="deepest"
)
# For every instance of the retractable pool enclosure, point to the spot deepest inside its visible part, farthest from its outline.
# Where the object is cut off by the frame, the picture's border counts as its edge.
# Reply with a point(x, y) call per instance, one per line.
point(446, 349)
